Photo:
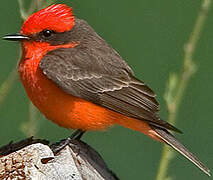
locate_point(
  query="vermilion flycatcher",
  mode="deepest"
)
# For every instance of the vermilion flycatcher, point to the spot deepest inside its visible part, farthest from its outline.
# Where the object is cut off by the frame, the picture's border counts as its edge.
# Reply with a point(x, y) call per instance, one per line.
point(78, 81)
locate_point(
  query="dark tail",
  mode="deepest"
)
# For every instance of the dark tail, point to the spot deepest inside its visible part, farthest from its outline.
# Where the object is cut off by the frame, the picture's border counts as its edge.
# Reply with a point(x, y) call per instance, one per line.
point(173, 142)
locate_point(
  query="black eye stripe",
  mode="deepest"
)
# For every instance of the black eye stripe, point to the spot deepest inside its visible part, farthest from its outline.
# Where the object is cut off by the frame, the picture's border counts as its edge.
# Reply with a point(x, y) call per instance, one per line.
point(52, 37)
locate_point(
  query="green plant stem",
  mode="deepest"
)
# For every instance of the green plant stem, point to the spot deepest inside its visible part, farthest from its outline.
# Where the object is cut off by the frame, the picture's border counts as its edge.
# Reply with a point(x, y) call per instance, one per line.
point(7, 84)
point(34, 6)
point(32, 120)
point(29, 128)
point(188, 70)
point(23, 12)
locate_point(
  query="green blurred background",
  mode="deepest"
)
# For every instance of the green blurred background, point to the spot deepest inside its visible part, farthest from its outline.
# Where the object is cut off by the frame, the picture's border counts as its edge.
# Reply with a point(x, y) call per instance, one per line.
point(150, 36)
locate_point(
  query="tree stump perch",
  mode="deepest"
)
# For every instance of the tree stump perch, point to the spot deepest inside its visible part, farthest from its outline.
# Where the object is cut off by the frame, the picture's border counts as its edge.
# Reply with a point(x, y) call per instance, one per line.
point(34, 159)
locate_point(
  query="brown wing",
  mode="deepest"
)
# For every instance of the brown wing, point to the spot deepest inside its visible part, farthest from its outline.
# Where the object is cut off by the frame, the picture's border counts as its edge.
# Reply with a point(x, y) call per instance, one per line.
point(95, 72)
point(104, 79)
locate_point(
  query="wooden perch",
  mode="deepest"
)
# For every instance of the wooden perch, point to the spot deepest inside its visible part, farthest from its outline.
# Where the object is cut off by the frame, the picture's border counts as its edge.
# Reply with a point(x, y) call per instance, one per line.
point(34, 159)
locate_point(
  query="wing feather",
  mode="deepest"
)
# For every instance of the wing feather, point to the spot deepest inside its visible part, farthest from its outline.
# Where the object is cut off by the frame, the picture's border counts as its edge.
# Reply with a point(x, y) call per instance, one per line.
point(95, 78)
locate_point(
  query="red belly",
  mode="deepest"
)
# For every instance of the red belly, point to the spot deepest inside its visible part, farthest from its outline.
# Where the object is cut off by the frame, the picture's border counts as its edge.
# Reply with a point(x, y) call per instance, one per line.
point(69, 111)
point(62, 108)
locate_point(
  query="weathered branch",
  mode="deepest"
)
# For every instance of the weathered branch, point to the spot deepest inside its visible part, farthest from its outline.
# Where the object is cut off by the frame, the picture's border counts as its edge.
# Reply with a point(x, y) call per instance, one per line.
point(34, 159)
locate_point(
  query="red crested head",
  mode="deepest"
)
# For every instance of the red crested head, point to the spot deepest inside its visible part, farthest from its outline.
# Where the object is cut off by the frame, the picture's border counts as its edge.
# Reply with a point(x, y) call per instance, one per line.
point(57, 17)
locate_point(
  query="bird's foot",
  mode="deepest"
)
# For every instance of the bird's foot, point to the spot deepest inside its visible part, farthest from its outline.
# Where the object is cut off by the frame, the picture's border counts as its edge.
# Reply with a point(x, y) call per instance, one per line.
point(57, 147)
point(77, 134)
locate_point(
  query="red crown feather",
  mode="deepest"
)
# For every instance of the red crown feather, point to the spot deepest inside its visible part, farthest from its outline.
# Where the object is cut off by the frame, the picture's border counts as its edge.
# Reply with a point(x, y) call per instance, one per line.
point(57, 17)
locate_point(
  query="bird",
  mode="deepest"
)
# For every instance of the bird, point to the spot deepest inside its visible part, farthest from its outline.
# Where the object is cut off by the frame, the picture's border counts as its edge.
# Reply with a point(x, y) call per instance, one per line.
point(78, 81)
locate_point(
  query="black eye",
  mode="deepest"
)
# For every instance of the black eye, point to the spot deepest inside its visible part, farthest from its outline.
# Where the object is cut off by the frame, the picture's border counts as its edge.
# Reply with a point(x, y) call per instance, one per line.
point(47, 33)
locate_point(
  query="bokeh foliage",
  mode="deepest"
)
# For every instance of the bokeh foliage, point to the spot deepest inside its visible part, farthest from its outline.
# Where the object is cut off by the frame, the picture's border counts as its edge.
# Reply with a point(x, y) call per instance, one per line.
point(150, 36)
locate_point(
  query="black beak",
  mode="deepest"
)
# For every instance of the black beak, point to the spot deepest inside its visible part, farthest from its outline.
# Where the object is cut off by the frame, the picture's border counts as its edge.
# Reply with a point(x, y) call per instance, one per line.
point(16, 37)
